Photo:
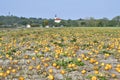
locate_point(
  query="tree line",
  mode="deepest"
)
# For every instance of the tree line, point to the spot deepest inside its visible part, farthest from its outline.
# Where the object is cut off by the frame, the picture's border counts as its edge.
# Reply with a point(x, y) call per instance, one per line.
point(14, 21)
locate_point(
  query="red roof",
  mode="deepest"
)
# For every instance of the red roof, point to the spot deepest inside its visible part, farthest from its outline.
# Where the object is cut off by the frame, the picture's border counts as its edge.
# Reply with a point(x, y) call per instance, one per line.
point(57, 19)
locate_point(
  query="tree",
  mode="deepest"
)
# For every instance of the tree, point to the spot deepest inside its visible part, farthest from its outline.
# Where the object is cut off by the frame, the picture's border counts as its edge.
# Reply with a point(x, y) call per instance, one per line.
point(100, 24)
point(45, 22)
point(117, 20)
point(1, 23)
point(24, 22)
point(83, 23)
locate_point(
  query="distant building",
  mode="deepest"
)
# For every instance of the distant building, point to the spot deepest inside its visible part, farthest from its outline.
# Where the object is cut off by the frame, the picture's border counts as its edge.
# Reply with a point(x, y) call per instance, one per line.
point(28, 26)
point(57, 20)
point(47, 26)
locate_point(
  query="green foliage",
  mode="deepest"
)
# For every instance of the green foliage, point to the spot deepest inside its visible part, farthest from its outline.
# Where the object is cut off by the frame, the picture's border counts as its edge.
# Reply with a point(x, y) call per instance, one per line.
point(73, 40)
point(102, 78)
point(67, 61)
point(14, 21)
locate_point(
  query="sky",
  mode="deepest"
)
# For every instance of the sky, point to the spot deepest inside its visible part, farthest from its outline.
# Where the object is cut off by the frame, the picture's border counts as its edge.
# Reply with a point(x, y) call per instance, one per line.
point(65, 9)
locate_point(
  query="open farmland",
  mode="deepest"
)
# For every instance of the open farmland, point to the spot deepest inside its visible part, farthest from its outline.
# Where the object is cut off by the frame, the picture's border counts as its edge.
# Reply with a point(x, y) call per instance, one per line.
point(60, 54)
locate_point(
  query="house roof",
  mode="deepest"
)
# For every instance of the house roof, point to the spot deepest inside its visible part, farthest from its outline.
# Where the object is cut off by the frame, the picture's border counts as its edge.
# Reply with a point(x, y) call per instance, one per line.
point(57, 19)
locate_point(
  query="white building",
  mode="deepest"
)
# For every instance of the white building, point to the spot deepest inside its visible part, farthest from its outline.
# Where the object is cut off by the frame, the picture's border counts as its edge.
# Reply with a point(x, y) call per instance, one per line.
point(57, 20)
point(28, 26)
point(47, 26)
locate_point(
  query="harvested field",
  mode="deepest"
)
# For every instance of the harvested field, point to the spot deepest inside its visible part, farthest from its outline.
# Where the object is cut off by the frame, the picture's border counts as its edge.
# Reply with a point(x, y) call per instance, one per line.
point(60, 54)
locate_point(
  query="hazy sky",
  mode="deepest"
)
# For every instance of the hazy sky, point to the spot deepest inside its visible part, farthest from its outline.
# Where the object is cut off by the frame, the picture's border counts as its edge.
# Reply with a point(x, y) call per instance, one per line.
point(65, 9)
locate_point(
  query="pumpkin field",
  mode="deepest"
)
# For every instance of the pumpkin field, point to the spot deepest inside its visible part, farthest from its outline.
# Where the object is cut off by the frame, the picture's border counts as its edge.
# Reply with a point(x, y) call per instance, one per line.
point(86, 53)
